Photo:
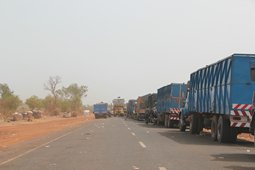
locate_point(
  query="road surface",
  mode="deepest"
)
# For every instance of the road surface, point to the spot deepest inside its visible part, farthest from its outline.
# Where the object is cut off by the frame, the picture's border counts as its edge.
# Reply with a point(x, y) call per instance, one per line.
point(118, 144)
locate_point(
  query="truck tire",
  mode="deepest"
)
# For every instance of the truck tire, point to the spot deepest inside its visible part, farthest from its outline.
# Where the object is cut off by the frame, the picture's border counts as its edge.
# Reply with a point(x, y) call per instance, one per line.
point(193, 124)
point(200, 123)
point(166, 121)
point(223, 130)
point(182, 125)
point(214, 125)
point(233, 135)
point(171, 123)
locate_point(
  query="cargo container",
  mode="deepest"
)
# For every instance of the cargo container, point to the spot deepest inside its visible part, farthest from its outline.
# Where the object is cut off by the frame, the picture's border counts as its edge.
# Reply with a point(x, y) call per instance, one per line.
point(220, 98)
point(170, 100)
point(119, 107)
point(100, 110)
point(131, 108)
point(141, 106)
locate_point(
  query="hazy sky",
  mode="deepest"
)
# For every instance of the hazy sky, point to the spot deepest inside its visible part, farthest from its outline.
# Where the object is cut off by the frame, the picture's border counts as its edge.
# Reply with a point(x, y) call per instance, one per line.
point(117, 48)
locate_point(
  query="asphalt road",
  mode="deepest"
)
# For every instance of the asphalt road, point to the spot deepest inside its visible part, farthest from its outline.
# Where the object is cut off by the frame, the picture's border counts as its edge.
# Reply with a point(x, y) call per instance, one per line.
point(118, 144)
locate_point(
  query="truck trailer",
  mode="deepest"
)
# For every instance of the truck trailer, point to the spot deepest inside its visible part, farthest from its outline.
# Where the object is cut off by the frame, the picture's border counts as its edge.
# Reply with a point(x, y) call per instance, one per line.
point(220, 98)
point(170, 100)
point(100, 110)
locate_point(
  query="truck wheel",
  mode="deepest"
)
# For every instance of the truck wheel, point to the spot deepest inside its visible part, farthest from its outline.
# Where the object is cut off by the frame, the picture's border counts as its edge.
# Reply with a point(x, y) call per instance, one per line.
point(182, 125)
point(223, 130)
point(170, 123)
point(166, 121)
point(233, 135)
point(214, 125)
point(193, 124)
point(200, 123)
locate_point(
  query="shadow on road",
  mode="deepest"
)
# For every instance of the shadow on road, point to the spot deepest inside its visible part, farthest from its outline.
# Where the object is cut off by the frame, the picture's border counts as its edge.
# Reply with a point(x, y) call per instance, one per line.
point(235, 157)
point(201, 139)
point(239, 168)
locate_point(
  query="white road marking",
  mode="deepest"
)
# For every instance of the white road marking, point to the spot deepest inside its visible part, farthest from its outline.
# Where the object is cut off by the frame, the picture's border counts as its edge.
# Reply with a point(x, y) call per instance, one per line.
point(148, 132)
point(161, 168)
point(129, 129)
point(31, 150)
point(142, 144)
point(135, 167)
point(133, 133)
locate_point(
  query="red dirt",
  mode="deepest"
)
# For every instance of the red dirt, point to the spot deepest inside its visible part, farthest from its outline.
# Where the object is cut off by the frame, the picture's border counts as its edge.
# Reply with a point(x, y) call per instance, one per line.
point(17, 132)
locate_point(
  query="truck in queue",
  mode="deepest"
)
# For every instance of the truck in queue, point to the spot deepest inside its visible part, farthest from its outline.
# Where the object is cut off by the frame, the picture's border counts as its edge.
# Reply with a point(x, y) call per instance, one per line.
point(131, 108)
point(119, 107)
point(151, 110)
point(220, 98)
point(170, 100)
point(141, 106)
point(100, 110)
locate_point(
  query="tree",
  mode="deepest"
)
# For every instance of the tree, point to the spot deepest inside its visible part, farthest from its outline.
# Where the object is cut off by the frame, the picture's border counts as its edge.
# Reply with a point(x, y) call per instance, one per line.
point(50, 105)
point(51, 86)
point(8, 102)
point(74, 94)
point(34, 102)
point(5, 91)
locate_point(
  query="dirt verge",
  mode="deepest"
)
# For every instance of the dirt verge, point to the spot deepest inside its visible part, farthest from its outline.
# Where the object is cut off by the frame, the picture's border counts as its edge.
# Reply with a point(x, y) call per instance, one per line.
point(17, 132)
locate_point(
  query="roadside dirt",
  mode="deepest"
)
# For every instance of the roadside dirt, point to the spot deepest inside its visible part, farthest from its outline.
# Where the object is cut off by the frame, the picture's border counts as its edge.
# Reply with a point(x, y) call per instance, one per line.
point(17, 132)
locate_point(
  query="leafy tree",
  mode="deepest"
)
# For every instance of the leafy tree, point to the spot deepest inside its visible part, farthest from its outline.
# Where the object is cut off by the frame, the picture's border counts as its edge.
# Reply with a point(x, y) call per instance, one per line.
point(8, 101)
point(74, 94)
point(5, 91)
point(34, 102)
point(50, 105)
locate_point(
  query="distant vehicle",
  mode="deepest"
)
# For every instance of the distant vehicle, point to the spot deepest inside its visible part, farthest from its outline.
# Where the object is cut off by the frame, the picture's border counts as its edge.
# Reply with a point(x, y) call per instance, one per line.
point(131, 108)
point(100, 110)
point(119, 107)
point(170, 100)
point(141, 106)
point(220, 98)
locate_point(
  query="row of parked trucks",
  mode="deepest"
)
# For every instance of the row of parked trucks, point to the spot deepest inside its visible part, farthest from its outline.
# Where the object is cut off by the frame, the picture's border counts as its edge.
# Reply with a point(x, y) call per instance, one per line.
point(219, 97)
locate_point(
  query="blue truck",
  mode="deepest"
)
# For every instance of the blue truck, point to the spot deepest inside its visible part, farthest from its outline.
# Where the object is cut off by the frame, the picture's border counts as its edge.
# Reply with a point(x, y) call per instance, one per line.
point(220, 98)
point(100, 110)
point(170, 100)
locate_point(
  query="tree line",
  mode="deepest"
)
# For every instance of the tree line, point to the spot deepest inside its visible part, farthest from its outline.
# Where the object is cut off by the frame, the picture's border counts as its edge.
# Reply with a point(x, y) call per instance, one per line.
point(61, 99)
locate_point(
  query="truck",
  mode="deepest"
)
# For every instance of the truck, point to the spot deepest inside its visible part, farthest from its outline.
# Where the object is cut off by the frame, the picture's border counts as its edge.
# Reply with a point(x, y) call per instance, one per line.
point(131, 108)
point(252, 125)
point(100, 110)
point(170, 100)
point(151, 110)
point(119, 107)
point(220, 98)
point(141, 106)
